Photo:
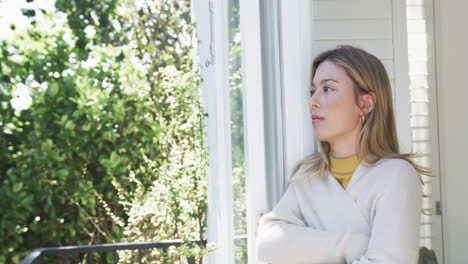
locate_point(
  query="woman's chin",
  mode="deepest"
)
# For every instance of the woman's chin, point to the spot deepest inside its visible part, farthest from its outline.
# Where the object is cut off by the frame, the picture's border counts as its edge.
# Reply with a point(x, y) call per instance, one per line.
point(320, 137)
point(319, 133)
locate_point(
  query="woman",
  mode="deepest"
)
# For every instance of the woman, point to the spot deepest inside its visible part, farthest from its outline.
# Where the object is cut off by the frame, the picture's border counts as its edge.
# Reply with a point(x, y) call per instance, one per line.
point(358, 200)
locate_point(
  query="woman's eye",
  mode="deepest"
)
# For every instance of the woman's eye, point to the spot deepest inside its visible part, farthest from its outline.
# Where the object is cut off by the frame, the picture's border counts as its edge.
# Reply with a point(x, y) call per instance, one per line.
point(326, 89)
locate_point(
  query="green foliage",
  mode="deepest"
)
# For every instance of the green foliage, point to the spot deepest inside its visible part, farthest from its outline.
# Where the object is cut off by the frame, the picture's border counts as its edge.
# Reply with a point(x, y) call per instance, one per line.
point(112, 146)
point(92, 22)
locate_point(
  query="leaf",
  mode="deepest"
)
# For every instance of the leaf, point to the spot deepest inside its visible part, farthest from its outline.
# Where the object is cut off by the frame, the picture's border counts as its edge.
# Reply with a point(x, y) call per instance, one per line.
point(53, 89)
point(28, 12)
point(17, 187)
point(63, 173)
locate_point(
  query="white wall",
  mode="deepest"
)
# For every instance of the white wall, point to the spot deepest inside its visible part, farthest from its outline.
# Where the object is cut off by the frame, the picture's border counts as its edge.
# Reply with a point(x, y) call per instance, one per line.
point(452, 70)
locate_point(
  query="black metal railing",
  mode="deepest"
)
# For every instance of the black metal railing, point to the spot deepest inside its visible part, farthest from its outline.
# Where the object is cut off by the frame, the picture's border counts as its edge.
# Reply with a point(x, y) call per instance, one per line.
point(426, 256)
point(67, 252)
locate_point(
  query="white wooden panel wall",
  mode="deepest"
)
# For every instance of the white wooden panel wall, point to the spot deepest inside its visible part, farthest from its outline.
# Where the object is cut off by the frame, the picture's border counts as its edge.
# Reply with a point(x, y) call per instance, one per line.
point(362, 23)
point(424, 121)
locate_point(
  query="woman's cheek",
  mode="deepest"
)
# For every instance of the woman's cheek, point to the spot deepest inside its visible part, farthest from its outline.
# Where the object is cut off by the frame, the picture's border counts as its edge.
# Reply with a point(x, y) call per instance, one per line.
point(342, 112)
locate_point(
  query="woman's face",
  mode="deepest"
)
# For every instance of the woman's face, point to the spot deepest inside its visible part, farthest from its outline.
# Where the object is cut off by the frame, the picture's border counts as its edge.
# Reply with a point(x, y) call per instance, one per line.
point(335, 115)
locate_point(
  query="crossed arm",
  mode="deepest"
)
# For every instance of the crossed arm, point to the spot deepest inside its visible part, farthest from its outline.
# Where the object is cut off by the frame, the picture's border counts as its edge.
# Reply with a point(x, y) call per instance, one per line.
point(283, 236)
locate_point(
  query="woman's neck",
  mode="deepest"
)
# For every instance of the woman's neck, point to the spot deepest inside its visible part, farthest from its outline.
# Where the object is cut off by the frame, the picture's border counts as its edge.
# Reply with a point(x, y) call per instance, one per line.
point(344, 151)
point(345, 147)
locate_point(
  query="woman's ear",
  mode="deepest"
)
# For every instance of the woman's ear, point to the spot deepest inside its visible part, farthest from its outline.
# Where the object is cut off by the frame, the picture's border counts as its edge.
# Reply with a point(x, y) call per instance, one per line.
point(367, 102)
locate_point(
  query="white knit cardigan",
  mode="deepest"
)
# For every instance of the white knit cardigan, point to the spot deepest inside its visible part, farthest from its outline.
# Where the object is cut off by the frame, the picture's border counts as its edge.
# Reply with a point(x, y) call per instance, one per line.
point(374, 220)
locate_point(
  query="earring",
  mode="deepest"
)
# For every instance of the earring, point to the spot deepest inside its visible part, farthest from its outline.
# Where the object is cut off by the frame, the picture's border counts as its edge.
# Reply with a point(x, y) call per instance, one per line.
point(363, 118)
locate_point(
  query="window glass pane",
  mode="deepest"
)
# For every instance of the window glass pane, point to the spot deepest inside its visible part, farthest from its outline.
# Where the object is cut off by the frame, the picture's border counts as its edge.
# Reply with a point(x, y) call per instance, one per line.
point(237, 134)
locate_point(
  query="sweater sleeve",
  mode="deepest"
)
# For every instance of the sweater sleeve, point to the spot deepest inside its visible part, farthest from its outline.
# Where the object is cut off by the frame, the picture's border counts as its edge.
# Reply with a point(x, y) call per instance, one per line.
point(395, 232)
point(283, 237)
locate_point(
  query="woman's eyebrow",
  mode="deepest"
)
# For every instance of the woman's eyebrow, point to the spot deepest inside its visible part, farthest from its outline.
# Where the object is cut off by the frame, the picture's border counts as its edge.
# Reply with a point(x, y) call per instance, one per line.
point(324, 81)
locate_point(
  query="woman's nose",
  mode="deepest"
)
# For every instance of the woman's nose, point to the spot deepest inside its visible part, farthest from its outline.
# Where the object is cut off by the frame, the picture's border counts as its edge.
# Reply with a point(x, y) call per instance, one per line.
point(313, 101)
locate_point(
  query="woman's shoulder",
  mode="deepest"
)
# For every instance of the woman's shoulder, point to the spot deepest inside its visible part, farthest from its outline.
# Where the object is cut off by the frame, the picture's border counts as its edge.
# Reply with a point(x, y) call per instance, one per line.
point(394, 169)
point(307, 181)
point(304, 174)
point(392, 164)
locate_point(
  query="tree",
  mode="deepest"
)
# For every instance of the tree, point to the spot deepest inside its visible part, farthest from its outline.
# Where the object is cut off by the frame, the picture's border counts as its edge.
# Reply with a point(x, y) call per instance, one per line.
point(112, 146)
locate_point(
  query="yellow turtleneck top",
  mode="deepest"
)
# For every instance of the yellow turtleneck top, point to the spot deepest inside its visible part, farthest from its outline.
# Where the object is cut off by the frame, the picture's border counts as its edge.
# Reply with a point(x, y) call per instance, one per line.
point(343, 169)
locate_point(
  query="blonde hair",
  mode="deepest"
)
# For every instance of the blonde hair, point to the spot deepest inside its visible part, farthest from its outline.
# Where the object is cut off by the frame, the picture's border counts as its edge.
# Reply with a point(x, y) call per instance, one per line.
point(378, 138)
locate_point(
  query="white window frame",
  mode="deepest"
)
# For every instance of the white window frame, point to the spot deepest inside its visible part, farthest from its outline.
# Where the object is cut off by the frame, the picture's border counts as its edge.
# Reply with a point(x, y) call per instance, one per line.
point(213, 32)
point(294, 57)
point(211, 17)
point(296, 61)
point(256, 186)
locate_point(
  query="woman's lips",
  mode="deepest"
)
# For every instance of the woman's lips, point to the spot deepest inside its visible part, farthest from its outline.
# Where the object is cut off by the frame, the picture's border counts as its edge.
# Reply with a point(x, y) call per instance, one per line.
point(316, 119)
